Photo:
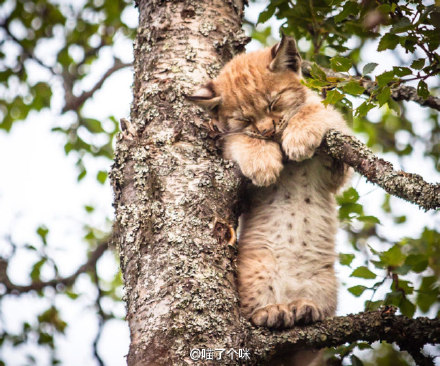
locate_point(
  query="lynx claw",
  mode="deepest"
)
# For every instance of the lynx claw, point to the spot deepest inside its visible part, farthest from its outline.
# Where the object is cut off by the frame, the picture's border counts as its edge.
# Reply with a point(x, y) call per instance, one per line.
point(305, 311)
point(273, 316)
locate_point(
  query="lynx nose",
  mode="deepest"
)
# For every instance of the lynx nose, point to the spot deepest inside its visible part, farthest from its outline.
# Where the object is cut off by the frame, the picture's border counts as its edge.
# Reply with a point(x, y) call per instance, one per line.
point(269, 132)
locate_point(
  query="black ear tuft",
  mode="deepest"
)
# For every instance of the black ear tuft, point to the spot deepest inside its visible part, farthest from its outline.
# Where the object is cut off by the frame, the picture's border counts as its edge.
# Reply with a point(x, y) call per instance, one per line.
point(206, 97)
point(285, 56)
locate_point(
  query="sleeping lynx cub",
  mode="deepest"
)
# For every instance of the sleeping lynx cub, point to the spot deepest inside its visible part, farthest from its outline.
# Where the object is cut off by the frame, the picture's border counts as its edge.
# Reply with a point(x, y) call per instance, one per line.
point(272, 125)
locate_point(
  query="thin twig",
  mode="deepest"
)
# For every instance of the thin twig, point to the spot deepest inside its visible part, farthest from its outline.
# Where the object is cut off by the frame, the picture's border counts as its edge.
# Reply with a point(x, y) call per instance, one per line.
point(15, 289)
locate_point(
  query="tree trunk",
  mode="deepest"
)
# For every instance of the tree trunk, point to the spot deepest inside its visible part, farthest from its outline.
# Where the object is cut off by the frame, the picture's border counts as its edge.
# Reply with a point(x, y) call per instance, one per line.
point(175, 198)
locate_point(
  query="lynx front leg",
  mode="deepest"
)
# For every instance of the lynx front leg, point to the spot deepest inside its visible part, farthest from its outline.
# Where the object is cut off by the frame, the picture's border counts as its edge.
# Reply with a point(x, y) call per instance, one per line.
point(306, 129)
point(259, 160)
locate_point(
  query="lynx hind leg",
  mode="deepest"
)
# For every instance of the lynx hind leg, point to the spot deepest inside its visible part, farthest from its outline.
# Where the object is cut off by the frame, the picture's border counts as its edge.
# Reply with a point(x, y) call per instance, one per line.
point(255, 279)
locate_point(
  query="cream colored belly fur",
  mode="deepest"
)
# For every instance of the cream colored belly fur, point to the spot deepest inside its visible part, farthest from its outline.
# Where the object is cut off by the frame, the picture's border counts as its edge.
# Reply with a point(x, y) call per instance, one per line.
point(286, 247)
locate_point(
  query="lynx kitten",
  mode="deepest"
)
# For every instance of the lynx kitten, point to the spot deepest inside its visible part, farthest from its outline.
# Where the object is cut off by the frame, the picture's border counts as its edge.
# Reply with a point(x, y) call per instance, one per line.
point(272, 125)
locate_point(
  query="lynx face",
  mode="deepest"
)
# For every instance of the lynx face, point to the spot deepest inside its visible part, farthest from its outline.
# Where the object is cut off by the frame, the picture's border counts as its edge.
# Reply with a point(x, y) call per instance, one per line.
point(255, 91)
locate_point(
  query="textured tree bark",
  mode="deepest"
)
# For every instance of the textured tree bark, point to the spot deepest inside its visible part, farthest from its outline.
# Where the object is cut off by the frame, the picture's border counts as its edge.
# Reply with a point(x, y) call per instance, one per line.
point(175, 198)
point(176, 204)
point(408, 186)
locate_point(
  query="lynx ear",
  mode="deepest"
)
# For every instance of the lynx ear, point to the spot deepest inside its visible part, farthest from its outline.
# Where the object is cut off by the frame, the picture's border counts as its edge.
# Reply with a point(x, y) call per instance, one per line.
point(285, 56)
point(206, 97)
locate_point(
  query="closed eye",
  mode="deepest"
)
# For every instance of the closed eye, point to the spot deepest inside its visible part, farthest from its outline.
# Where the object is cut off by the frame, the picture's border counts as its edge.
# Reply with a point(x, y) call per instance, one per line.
point(239, 122)
point(272, 105)
point(246, 119)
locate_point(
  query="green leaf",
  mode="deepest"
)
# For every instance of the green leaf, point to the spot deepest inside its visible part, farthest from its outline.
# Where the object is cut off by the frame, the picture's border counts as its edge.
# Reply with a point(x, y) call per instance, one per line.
point(354, 88)
point(363, 272)
point(42, 232)
point(363, 345)
point(418, 64)
point(349, 195)
point(393, 105)
point(347, 210)
point(370, 219)
point(373, 305)
point(93, 125)
point(340, 64)
point(317, 72)
point(393, 256)
point(428, 293)
point(403, 285)
point(357, 290)
point(407, 308)
point(363, 109)
point(368, 68)
point(102, 176)
point(42, 94)
point(45, 338)
point(82, 174)
point(346, 259)
point(350, 8)
point(417, 262)
point(402, 25)
point(89, 209)
point(356, 361)
point(266, 14)
point(394, 298)
point(332, 97)
point(401, 71)
point(36, 269)
point(388, 41)
point(72, 295)
point(384, 78)
point(422, 89)
point(400, 219)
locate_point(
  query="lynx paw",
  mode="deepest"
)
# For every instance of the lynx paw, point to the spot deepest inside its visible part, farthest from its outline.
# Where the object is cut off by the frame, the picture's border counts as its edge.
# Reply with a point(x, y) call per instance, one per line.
point(305, 311)
point(273, 316)
point(300, 145)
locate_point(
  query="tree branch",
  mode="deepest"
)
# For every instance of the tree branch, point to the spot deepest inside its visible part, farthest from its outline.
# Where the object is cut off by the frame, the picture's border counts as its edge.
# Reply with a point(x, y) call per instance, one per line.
point(73, 102)
point(408, 186)
point(409, 334)
point(14, 289)
point(402, 92)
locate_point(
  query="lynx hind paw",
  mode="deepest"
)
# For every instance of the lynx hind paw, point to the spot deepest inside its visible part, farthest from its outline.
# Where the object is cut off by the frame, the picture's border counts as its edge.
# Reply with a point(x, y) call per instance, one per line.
point(273, 316)
point(305, 311)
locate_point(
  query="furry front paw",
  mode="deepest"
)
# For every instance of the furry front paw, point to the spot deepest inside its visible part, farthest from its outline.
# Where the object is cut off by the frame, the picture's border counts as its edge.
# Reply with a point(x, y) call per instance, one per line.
point(273, 316)
point(305, 311)
point(263, 168)
point(300, 145)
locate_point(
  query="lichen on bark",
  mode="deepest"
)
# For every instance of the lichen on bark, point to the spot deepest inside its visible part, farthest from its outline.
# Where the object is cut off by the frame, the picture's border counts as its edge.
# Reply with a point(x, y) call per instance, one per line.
point(175, 197)
point(408, 186)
